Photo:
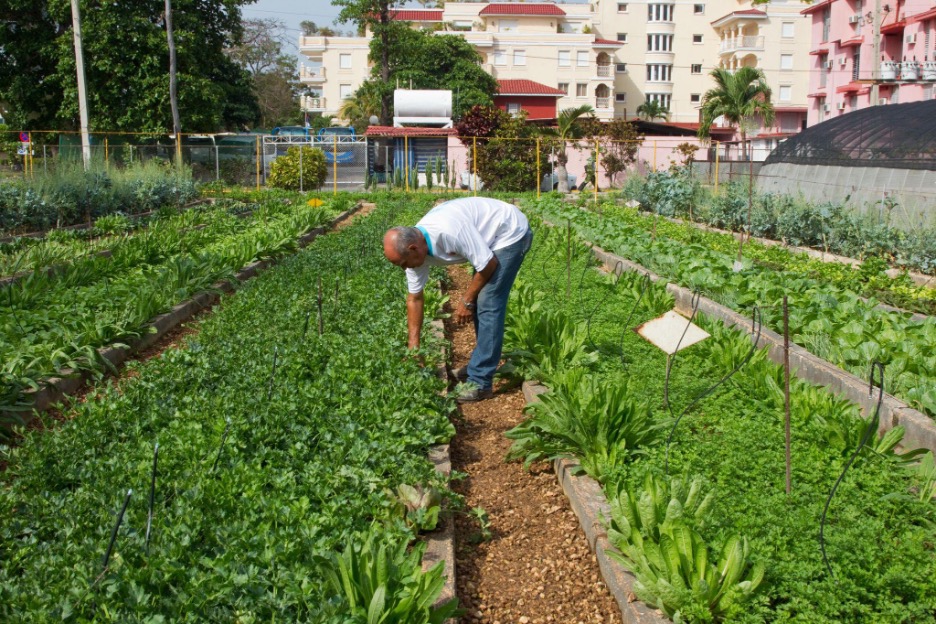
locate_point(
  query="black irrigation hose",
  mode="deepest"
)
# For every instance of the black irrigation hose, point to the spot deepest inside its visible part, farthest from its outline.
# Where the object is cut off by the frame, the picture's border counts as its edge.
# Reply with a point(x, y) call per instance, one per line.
point(113, 538)
point(757, 324)
point(646, 281)
point(152, 496)
point(585, 268)
point(871, 430)
point(227, 429)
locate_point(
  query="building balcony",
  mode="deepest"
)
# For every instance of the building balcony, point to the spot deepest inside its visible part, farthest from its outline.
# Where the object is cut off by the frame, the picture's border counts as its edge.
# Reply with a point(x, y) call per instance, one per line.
point(313, 44)
point(477, 39)
point(742, 44)
point(604, 103)
point(604, 71)
point(312, 103)
point(311, 74)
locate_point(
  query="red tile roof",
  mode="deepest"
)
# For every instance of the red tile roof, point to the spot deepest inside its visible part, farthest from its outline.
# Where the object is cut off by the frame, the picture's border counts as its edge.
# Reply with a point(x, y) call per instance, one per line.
point(527, 87)
point(391, 131)
point(608, 42)
point(417, 15)
point(521, 8)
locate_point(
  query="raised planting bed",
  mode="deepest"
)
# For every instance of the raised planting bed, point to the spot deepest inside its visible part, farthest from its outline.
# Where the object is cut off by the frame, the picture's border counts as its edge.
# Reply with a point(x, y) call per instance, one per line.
point(56, 325)
point(833, 324)
point(714, 499)
point(282, 444)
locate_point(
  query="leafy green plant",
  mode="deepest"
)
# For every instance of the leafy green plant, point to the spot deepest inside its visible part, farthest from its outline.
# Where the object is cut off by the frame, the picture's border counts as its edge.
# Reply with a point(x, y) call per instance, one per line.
point(484, 533)
point(655, 531)
point(383, 584)
point(422, 504)
point(285, 171)
point(600, 425)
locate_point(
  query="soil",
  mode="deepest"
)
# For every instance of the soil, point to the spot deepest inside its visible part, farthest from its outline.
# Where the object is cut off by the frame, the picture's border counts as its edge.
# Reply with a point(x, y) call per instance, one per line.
point(536, 566)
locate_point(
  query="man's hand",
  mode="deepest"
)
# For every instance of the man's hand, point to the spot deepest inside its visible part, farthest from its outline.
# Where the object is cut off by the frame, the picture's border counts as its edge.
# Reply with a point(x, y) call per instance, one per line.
point(463, 314)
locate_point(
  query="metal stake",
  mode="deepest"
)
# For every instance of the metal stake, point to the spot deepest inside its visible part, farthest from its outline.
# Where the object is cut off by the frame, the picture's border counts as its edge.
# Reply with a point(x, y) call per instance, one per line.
point(152, 496)
point(786, 392)
point(110, 545)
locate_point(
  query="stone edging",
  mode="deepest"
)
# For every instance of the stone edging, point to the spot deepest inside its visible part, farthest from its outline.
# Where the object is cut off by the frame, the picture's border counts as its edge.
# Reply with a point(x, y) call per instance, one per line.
point(55, 389)
point(592, 509)
point(440, 544)
point(920, 428)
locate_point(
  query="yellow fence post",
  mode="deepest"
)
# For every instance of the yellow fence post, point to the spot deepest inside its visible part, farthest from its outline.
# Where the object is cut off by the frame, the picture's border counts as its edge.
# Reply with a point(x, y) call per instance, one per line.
point(406, 161)
point(473, 178)
point(538, 174)
point(258, 162)
point(716, 167)
point(106, 153)
point(29, 155)
point(334, 164)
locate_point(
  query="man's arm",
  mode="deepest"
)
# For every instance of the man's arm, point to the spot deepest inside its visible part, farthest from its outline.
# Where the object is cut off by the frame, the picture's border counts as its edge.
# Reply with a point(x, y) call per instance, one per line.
point(462, 313)
point(414, 318)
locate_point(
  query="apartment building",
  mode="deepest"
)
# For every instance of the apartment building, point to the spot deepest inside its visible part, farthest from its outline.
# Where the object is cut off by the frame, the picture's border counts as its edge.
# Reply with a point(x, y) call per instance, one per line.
point(611, 55)
point(869, 53)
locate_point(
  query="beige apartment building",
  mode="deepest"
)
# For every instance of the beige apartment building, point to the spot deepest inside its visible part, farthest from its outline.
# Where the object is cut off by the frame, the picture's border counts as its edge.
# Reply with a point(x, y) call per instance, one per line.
point(611, 55)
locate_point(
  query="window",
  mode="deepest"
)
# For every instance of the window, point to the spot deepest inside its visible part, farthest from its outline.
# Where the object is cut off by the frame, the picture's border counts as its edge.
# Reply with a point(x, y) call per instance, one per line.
point(461, 25)
point(622, 7)
point(519, 57)
point(659, 12)
point(499, 57)
point(621, 68)
point(508, 25)
point(565, 58)
point(620, 98)
point(659, 43)
point(581, 58)
point(786, 30)
point(698, 9)
point(659, 73)
point(581, 89)
point(564, 87)
point(622, 37)
point(695, 98)
point(786, 61)
point(697, 69)
point(513, 108)
point(663, 99)
point(786, 93)
point(696, 38)
point(344, 61)
point(344, 91)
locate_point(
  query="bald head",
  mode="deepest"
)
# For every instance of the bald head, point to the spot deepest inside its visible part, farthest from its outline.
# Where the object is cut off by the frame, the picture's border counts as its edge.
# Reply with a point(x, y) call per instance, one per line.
point(405, 247)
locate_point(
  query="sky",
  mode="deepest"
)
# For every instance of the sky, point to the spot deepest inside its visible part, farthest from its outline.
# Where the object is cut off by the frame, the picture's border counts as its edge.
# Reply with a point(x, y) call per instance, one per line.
point(291, 12)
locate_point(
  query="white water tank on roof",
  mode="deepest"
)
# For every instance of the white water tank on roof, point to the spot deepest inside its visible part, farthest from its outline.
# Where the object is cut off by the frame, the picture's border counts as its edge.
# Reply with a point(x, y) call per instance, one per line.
point(423, 107)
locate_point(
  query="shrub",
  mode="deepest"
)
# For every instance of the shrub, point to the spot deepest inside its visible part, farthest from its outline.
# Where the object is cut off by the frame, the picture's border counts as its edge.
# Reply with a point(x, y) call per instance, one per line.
point(285, 174)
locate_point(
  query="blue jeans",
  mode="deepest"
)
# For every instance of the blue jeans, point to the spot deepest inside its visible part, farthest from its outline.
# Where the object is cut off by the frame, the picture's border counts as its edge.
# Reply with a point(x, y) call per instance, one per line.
point(491, 312)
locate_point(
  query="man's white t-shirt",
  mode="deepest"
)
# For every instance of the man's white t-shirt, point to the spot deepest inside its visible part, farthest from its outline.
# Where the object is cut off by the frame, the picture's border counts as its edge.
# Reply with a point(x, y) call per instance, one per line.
point(466, 230)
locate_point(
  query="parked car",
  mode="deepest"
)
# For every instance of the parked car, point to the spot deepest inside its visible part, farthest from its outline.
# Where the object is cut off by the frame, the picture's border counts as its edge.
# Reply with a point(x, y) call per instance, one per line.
point(334, 141)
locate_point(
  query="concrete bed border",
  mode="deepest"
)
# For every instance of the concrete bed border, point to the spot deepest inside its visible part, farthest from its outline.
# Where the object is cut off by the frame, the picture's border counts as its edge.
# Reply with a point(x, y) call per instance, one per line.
point(920, 428)
point(592, 508)
point(56, 389)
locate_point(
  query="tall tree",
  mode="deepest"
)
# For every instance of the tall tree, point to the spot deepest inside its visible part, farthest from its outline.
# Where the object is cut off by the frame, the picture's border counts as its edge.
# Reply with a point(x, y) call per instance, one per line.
point(274, 76)
point(568, 128)
point(737, 97)
point(375, 15)
point(127, 61)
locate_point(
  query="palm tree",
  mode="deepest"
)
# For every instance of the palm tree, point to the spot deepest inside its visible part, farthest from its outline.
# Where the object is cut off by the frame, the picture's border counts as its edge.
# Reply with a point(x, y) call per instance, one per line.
point(652, 109)
point(567, 129)
point(738, 97)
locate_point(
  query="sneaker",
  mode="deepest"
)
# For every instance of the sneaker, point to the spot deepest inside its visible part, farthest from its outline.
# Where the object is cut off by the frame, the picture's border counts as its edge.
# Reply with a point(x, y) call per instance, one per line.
point(469, 393)
point(460, 374)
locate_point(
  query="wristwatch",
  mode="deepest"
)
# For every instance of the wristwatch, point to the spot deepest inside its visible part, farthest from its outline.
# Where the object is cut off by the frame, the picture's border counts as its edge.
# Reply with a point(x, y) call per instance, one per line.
point(471, 305)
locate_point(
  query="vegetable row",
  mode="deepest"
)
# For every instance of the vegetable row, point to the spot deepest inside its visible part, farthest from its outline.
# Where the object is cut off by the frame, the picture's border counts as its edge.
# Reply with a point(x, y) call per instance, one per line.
point(704, 522)
point(281, 442)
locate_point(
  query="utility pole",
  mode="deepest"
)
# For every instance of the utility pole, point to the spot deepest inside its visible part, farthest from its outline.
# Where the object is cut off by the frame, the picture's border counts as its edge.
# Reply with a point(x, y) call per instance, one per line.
point(876, 51)
point(82, 91)
point(173, 95)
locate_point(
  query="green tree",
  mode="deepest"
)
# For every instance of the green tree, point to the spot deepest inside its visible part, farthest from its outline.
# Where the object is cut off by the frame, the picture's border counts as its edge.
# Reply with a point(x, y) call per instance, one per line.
point(274, 76)
point(623, 144)
point(568, 128)
point(737, 97)
point(126, 64)
point(506, 148)
point(652, 109)
point(360, 107)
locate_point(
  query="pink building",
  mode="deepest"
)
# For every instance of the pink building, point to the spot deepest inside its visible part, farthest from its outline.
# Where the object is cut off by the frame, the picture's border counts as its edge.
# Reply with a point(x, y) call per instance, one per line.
point(869, 53)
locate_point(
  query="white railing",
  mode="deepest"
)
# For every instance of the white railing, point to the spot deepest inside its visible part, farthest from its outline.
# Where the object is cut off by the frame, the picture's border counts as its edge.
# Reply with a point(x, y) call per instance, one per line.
point(604, 70)
point(746, 43)
point(312, 103)
point(602, 102)
point(311, 74)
